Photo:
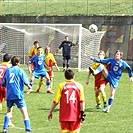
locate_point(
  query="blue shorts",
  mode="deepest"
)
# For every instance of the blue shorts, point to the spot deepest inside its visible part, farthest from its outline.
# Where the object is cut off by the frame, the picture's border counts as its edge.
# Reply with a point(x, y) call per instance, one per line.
point(39, 73)
point(19, 102)
point(112, 81)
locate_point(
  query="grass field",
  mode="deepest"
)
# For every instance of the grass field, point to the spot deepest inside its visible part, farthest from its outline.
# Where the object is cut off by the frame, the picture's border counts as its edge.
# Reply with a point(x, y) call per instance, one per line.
point(119, 120)
point(68, 7)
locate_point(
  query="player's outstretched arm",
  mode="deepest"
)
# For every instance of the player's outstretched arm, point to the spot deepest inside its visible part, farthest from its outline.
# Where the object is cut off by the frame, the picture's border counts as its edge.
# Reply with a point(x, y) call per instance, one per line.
point(46, 66)
point(58, 69)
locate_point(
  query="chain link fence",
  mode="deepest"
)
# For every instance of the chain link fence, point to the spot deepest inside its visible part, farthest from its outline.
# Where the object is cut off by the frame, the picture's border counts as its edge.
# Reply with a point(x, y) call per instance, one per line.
point(66, 7)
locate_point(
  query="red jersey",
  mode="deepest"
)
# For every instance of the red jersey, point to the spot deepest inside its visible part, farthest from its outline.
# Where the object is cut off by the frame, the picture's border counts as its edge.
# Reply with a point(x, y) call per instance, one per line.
point(3, 67)
point(70, 94)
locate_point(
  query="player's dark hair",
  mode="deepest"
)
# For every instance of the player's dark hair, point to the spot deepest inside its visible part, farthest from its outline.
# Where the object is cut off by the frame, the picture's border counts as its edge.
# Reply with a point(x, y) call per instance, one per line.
point(39, 47)
point(66, 37)
point(69, 74)
point(36, 42)
point(15, 60)
point(6, 57)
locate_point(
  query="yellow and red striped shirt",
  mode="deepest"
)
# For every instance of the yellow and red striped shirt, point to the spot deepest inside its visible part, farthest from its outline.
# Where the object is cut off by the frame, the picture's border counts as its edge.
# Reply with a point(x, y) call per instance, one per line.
point(70, 94)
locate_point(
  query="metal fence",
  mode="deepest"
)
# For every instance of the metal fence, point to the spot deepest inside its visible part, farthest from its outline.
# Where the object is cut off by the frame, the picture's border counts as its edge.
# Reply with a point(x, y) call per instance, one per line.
point(66, 7)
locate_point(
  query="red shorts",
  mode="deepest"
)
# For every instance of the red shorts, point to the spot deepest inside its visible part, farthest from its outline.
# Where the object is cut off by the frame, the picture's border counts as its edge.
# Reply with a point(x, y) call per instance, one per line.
point(99, 83)
point(70, 126)
point(2, 94)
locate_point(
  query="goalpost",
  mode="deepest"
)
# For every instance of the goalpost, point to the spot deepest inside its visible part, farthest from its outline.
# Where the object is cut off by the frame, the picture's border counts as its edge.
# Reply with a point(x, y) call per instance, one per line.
point(18, 38)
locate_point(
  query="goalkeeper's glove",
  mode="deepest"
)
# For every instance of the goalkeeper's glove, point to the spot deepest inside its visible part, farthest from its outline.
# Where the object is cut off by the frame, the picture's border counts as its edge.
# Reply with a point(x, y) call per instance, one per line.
point(82, 116)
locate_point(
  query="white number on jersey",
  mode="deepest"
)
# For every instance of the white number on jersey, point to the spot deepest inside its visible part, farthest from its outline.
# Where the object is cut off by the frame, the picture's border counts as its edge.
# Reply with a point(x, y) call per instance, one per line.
point(71, 98)
point(1, 73)
point(12, 78)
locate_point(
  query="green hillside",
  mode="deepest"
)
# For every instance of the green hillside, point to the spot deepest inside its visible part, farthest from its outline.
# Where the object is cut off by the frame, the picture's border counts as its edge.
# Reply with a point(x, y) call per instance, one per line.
point(66, 7)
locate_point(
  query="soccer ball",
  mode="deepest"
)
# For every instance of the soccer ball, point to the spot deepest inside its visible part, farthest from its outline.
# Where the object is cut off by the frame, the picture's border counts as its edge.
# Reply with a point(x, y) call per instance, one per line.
point(93, 28)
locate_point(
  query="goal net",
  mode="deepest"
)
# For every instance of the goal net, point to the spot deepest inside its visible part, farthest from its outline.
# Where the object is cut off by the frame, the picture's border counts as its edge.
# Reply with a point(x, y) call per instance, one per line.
point(18, 39)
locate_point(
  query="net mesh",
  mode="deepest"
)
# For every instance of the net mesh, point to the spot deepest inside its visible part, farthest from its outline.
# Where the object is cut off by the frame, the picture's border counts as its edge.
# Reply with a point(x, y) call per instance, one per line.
point(90, 46)
point(18, 39)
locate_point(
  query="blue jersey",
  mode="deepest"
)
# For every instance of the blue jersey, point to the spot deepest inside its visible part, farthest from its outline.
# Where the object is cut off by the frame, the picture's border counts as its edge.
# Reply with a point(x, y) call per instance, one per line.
point(66, 45)
point(116, 67)
point(38, 62)
point(14, 79)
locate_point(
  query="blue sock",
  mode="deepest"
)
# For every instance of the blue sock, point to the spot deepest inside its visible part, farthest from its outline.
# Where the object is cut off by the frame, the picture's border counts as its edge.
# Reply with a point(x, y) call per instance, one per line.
point(110, 101)
point(47, 83)
point(31, 84)
point(27, 125)
point(6, 121)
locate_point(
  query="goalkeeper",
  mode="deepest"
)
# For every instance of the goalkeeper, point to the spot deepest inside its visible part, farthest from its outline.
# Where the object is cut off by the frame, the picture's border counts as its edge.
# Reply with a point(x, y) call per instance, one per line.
point(70, 94)
point(66, 52)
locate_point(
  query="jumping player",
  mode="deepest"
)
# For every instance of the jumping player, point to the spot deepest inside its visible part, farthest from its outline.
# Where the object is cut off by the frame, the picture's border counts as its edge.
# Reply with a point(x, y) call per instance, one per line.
point(117, 65)
point(50, 61)
point(70, 94)
point(14, 79)
point(100, 82)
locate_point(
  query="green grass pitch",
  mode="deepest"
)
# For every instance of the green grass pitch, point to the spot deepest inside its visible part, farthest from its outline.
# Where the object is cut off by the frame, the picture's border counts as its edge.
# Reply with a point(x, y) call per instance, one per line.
point(118, 120)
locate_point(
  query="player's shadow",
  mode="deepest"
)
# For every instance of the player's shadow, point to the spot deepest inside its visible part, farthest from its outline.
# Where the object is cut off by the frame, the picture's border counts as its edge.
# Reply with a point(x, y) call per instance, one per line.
point(55, 110)
point(39, 93)
point(92, 110)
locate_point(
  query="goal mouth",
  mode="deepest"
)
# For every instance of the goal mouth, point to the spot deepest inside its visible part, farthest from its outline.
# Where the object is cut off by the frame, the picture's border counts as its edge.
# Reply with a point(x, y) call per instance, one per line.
point(18, 38)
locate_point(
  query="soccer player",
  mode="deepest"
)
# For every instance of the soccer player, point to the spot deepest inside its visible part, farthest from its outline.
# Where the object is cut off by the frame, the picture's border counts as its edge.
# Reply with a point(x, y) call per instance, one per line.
point(33, 50)
point(70, 94)
point(50, 61)
point(39, 70)
point(117, 65)
point(14, 79)
point(66, 52)
point(100, 82)
point(3, 66)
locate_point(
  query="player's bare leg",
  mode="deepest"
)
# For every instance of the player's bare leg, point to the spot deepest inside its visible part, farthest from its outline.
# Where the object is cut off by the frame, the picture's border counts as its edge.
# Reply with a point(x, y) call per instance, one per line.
point(48, 84)
point(31, 84)
point(26, 119)
point(10, 124)
point(110, 100)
